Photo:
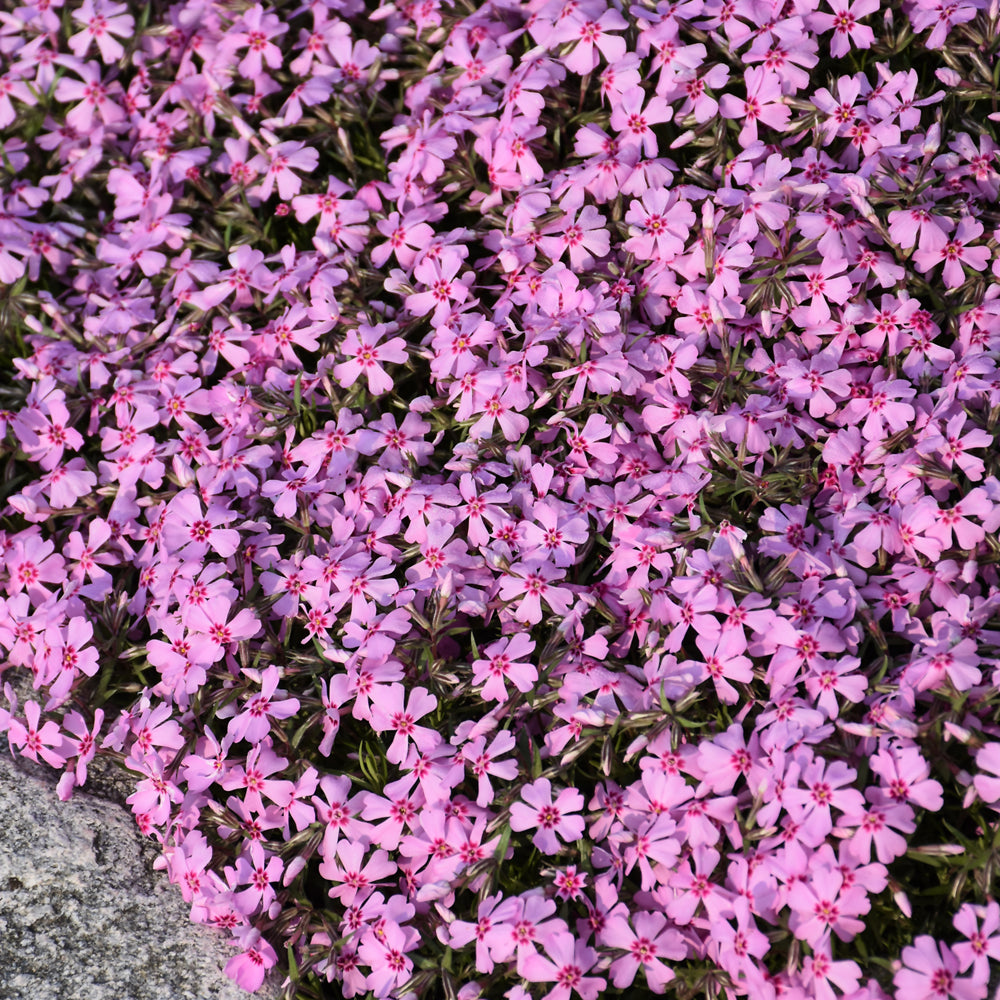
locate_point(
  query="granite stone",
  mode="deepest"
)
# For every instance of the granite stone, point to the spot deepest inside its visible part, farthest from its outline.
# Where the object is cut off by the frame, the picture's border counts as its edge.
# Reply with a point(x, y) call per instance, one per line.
point(83, 914)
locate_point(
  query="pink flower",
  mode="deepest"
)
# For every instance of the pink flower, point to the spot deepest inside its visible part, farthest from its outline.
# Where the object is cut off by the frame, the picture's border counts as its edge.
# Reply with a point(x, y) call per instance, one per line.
point(254, 722)
point(955, 252)
point(819, 970)
point(659, 225)
point(979, 925)
point(647, 946)
point(988, 761)
point(484, 763)
point(724, 662)
point(907, 226)
point(844, 24)
point(257, 871)
point(590, 35)
point(189, 529)
point(248, 969)
point(353, 873)
point(83, 741)
point(762, 104)
point(47, 742)
point(94, 97)
point(503, 663)
point(367, 355)
point(407, 236)
point(634, 119)
point(532, 581)
point(586, 237)
point(101, 20)
point(390, 713)
point(384, 950)
point(568, 960)
point(820, 285)
point(258, 30)
point(550, 820)
point(278, 166)
point(254, 778)
point(930, 973)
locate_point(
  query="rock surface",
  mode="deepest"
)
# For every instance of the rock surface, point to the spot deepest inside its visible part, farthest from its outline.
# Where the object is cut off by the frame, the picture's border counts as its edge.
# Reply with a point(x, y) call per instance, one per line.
point(83, 915)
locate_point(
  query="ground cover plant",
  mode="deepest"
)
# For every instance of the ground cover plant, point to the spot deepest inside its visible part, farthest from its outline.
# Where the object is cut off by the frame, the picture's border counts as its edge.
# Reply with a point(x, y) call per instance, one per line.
point(516, 483)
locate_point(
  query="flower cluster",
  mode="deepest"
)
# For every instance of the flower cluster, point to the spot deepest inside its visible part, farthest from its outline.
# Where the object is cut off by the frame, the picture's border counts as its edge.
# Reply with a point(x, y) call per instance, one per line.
point(516, 484)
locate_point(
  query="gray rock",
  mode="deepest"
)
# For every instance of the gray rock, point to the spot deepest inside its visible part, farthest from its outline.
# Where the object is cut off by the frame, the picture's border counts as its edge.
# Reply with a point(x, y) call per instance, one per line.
point(83, 915)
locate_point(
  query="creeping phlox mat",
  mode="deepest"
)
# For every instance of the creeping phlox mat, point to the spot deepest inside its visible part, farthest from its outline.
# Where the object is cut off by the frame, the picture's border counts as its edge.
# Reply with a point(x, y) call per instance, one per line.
point(516, 484)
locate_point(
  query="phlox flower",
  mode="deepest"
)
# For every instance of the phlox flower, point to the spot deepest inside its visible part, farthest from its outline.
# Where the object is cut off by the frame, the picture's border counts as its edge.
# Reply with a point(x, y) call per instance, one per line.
point(156, 794)
point(31, 562)
point(829, 678)
point(930, 972)
point(45, 435)
point(725, 663)
point(690, 887)
point(826, 787)
point(484, 763)
point(762, 104)
point(258, 30)
point(567, 962)
point(905, 774)
point(442, 288)
point(822, 903)
point(908, 226)
point(569, 883)
point(385, 952)
point(513, 163)
point(278, 166)
point(659, 225)
point(210, 761)
point(980, 926)
point(254, 722)
point(737, 944)
point(532, 582)
point(551, 820)
point(366, 356)
point(101, 20)
point(354, 876)
point(67, 482)
point(727, 757)
point(502, 663)
point(391, 712)
point(480, 509)
point(406, 236)
point(951, 445)
point(585, 237)
point(339, 812)
point(844, 24)
point(590, 35)
point(248, 969)
point(955, 252)
point(186, 864)
point(45, 741)
point(213, 619)
point(943, 16)
point(883, 409)
point(95, 97)
point(633, 119)
point(256, 871)
point(648, 942)
point(254, 777)
point(820, 973)
point(493, 911)
point(987, 782)
point(83, 740)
